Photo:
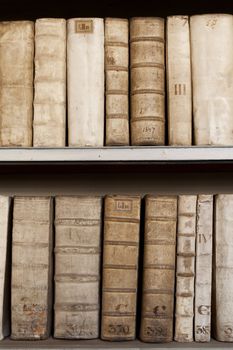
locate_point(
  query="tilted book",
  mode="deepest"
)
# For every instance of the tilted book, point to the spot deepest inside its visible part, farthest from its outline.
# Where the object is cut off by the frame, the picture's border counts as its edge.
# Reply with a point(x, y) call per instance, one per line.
point(5, 248)
point(223, 269)
point(32, 248)
point(49, 124)
point(203, 273)
point(120, 267)
point(16, 82)
point(117, 81)
point(85, 81)
point(159, 269)
point(212, 66)
point(77, 266)
point(185, 268)
point(179, 89)
point(147, 81)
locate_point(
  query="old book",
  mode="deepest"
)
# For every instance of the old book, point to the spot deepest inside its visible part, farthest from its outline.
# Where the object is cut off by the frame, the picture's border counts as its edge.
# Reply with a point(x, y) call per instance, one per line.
point(16, 82)
point(49, 124)
point(117, 81)
point(179, 90)
point(147, 81)
point(185, 268)
point(85, 70)
point(212, 66)
point(223, 269)
point(120, 267)
point(32, 247)
point(5, 248)
point(159, 269)
point(203, 273)
point(77, 267)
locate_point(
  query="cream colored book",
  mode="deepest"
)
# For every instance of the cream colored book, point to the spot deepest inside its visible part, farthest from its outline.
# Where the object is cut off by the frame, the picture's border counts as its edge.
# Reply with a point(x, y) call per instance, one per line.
point(77, 267)
point(212, 67)
point(49, 124)
point(16, 83)
point(185, 268)
point(32, 248)
point(5, 248)
point(117, 81)
point(85, 69)
point(179, 89)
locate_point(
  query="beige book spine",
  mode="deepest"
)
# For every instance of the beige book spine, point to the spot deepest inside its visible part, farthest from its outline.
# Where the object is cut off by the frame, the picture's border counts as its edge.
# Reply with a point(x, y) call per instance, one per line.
point(223, 269)
point(179, 88)
point(49, 125)
point(16, 83)
point(120, 267)
point(77, 267)
point(159, 269)
point(212, 67)
point(147, 81)
point(5, 248)
point(32, 247)
point(185, 268)
point(85, 81)
point(117, 81)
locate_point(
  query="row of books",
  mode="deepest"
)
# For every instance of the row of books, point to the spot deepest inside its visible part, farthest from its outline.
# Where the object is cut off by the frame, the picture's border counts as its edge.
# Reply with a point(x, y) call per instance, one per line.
point(175, 265)
point(95, 54)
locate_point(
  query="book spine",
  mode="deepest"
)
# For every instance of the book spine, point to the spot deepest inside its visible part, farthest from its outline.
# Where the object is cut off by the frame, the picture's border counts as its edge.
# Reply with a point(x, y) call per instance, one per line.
point(49, 125)
point(203, 273)
point(147, 81)
point(31, 289)
point(179, 81)
point(159, 269)
point(77, 275)
point(116, 78)
point(120, 267)
point(16, 83)
point(212, 52)
point(223, 269)
point(85, 70)
point(185, 268)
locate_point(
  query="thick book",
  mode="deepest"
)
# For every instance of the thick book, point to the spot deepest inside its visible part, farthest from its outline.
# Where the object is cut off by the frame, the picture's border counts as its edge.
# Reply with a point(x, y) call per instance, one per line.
point(77, 266)
point(147, 81)
point(16, 83)
point(32, 248)
point(179, 84)
point(223, 269)
point(49, 124)
point(85, 81)
point(212, 66)
point(185, 268)
point(120, 267)
point(5, 249)
point(117, 81)
point(203, 273)
point(159, 269)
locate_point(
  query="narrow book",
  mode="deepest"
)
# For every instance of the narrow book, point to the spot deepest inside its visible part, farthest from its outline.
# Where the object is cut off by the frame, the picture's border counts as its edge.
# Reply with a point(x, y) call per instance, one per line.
point(185, 268)
point(32, 248)
point(49, 124)
point(120, 267)
point(203, 273)
point(212, 67)
point(16, 83)
point(179, 90)
point(85, 70)
point(77, 266)
point(223, 269)
point(5, 248)
point(159, 269)
point(147, 81)
point(117, 81)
